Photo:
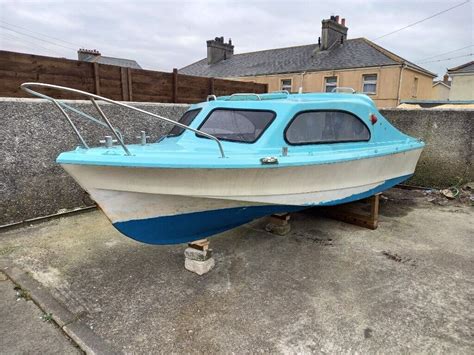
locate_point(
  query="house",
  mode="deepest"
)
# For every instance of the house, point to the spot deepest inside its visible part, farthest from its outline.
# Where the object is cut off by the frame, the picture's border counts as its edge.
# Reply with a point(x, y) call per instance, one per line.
point(93, 55)
point(335, 61)
point(441, 88)
point(462, 82)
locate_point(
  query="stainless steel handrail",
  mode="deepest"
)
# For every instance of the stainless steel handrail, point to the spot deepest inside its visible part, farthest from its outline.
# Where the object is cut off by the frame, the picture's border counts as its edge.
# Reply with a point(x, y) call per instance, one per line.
point(26, 87)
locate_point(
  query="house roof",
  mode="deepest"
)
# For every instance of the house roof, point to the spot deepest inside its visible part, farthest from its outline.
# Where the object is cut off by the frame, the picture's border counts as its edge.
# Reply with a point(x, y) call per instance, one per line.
point(354, 53)
point(121, 62)
point(441, 82)
point(464, 68)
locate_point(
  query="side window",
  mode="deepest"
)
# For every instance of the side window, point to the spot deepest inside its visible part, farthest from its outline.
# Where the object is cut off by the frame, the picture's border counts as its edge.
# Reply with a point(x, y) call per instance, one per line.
point(369, 83)
point(285, 84)
point(315, 127)
point(244, 126)
point(330, 83)
point(186, 119)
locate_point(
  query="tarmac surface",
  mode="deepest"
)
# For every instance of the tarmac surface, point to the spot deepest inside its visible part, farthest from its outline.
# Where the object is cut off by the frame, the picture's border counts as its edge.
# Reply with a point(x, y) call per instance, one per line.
point(25, 328)
point(326, 287)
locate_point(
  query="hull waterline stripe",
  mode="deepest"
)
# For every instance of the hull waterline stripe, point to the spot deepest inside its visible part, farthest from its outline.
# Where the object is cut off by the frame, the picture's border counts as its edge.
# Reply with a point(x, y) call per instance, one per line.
point(192, 226)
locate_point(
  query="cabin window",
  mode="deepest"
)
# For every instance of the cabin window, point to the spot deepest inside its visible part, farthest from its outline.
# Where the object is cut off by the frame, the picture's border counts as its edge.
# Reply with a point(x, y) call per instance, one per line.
point(285, 84)
point(315, 127)
point(186, 119)
point(330, 83)
point(235, 125)
point(369, 83)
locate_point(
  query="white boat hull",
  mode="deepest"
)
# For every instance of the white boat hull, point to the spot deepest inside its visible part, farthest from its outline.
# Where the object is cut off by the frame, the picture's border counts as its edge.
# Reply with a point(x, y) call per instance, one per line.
point(166, 206)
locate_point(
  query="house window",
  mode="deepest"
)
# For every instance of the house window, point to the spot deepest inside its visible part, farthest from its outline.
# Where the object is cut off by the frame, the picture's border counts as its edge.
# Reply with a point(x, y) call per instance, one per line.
point(330, 83)
point(316, 127)
point(285, 84)
point(415, 87)
point(237, 125)
point(369, 83)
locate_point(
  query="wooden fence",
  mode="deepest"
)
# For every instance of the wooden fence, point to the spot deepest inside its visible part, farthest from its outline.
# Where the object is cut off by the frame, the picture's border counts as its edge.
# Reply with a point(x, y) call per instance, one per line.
point(114, 82)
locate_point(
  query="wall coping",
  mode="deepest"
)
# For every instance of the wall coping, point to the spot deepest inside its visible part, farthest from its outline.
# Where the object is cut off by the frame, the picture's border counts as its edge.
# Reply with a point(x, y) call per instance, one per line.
point(134, 103)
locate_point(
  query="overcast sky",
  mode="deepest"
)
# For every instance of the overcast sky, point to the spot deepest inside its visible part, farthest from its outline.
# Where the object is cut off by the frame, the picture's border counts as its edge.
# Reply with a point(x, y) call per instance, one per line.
point(161, 35)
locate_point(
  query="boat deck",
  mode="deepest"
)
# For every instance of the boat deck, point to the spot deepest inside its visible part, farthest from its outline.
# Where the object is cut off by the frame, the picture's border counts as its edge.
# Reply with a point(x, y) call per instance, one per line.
point(203, 153)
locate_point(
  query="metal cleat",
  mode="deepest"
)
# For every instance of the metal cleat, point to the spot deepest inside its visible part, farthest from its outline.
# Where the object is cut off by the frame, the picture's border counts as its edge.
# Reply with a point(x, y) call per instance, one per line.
point(108, 141)
point(143, 137)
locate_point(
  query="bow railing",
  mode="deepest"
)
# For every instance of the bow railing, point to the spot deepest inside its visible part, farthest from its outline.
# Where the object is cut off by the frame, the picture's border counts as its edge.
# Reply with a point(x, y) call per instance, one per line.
point(62, 106)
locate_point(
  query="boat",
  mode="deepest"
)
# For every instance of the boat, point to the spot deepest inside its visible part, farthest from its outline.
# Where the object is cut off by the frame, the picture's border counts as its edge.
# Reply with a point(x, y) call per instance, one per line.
point(232, 159)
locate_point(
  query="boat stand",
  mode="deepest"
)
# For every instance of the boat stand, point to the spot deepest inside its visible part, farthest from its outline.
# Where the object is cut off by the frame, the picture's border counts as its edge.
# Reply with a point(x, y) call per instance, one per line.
point(279, 224)
point(198, 257)
point(345, 213)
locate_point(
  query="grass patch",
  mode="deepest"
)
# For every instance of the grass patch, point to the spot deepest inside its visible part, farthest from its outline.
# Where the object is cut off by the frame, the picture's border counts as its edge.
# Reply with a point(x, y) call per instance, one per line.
point(22, 294)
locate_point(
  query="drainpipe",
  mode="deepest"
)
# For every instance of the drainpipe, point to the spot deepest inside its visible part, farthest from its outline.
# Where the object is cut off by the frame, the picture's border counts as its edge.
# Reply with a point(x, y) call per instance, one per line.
point(302, 82)
point(400, 84)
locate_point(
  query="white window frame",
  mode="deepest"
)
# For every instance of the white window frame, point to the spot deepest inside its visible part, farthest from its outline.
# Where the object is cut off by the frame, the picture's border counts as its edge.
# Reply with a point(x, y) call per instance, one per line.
point(369, 82)
point(331, 85)
point(287, 87)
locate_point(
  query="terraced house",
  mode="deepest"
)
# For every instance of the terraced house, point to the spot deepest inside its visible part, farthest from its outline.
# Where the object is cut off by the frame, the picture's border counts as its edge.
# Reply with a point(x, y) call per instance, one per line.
point(335, 61)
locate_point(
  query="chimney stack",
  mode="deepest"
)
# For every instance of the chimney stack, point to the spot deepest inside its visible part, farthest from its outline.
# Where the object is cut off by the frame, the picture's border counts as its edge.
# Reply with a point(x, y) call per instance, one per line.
point(86, 54)
point(333, 32)
point(218, 50)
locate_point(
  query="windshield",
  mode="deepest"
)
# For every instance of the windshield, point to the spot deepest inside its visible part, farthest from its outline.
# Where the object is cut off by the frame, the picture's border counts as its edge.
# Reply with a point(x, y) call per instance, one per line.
point(236, 125)
point(186, 119)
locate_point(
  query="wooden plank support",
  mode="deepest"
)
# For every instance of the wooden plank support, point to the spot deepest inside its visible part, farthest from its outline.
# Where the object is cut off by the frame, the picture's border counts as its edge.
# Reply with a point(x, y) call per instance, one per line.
point(342, 213)
point(201, 244)
point(129, 80)
point(174, 96)
point(210, 90)
point(124, 83)
point(96, 79)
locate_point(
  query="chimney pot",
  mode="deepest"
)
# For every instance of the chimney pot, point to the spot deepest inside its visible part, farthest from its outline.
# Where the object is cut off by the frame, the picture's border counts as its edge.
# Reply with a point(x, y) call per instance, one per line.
point(85, 54)
point(336, 19)
point(445, 78)
point(343, 22)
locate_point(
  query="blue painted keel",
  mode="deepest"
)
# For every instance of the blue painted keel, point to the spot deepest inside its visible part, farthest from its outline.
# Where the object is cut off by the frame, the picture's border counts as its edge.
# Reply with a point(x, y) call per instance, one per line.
point(192, 226)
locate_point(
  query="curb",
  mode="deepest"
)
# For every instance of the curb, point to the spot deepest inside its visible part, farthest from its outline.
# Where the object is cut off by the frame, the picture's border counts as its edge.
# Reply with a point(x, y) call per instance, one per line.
point(69, 323)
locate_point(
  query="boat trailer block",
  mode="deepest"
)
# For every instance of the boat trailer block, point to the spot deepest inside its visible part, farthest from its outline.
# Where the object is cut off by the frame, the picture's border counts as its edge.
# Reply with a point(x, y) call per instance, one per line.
point(198, 257)
point(346, 214)
point(279, 224)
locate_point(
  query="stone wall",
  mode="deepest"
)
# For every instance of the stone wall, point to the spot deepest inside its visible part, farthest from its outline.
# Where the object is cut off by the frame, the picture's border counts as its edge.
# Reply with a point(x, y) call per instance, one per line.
point(448, 155)
point(33, 133)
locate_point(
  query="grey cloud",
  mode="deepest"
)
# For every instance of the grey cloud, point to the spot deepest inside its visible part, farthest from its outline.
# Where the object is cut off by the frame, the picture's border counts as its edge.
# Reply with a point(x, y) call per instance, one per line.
point(165, 34)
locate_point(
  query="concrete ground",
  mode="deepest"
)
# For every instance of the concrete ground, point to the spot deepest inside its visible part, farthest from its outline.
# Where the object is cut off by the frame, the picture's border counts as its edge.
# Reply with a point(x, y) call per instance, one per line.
point(326, 287)
point(25, 328)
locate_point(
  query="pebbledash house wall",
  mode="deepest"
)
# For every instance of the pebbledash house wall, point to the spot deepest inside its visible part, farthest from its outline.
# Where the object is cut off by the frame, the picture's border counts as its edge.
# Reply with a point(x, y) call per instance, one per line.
point(390, 88)
point(33, 133)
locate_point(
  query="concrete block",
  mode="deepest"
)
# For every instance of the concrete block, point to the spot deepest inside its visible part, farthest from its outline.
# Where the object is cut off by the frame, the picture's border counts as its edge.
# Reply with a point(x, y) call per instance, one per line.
point(198, 255)
point(278, 229)
point(199, 267)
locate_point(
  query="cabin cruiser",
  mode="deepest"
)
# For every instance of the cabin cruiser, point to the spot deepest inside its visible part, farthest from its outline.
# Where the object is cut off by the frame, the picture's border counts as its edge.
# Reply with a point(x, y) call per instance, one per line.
point(233, 159)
